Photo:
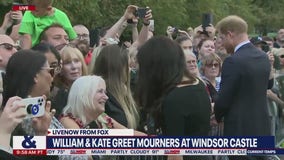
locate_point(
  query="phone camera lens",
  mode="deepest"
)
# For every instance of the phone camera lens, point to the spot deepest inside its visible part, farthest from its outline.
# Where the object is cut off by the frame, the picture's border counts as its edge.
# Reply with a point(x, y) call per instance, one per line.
point(29, 108)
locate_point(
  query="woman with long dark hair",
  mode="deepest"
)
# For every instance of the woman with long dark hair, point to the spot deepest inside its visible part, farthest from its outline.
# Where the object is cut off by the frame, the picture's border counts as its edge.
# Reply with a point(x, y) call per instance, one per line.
point(176, 101)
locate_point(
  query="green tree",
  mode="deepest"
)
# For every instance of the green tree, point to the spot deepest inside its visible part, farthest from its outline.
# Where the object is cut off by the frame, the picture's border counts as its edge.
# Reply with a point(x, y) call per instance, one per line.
point(262, 16)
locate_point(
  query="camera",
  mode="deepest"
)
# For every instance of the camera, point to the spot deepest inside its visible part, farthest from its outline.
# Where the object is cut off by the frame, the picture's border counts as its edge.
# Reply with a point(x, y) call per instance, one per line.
point(141, 12)
point(35, 107)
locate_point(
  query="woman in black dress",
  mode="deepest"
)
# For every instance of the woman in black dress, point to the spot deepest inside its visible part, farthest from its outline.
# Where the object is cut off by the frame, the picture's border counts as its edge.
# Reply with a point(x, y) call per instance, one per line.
point(177, 103)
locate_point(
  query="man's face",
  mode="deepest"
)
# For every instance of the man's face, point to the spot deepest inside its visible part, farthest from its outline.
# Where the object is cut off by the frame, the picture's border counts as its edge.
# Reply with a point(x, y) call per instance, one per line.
point(187, 44)
point(270, 44)
point(7, 49)
point(57, 37)
point(226, 42)
point(280, 36)
point(82, 42)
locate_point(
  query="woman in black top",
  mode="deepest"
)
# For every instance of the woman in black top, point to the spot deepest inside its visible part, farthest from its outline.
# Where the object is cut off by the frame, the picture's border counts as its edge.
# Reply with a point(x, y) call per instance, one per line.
point(176, 101)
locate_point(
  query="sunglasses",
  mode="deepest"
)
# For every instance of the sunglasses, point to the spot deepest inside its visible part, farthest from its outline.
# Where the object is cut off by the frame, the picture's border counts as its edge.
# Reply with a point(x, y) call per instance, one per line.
point(51, 71)
point(8, 46)
point(215, 65)
point(56, 67)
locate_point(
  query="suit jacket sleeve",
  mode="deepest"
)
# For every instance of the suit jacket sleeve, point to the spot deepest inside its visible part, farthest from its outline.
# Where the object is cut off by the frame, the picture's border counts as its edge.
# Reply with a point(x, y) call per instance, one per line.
point(229, 83)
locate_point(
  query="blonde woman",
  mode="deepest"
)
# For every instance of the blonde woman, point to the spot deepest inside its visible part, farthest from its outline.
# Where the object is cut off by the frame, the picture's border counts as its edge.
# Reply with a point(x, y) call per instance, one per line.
point(113, 65)
point(73, 67)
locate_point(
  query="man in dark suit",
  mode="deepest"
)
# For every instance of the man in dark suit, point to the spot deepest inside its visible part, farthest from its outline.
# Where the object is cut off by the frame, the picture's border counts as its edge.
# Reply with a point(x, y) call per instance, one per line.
point(244, 82)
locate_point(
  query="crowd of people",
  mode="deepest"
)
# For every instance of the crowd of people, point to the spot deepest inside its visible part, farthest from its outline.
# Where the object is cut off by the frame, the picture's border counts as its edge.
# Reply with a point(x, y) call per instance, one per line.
point(206, 81)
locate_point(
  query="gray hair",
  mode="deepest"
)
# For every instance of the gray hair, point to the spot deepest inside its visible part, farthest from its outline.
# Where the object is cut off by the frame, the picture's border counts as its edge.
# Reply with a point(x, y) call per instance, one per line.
point(81, 96)
point(188, 52)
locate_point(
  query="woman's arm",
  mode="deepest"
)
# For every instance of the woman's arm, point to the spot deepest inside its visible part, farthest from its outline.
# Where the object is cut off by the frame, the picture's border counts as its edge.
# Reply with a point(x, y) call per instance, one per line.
point(116, 28)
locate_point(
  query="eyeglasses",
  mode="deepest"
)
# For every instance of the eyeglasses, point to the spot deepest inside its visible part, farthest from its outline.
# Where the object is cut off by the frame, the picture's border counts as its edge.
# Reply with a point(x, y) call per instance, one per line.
point(51, 71)
point(56, 67)
point(281, 56)
point(215, 65)
point(8, 46)
point(191, 61)
point(82, 36)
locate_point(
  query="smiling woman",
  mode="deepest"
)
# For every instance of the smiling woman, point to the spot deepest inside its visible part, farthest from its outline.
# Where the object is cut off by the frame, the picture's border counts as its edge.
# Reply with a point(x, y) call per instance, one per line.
point(86, 101)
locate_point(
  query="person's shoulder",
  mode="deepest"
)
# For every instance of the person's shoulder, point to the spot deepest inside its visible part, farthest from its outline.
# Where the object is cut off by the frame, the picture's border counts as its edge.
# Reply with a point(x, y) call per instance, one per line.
point(28, 13)
point(69, 121)
point(28, 16)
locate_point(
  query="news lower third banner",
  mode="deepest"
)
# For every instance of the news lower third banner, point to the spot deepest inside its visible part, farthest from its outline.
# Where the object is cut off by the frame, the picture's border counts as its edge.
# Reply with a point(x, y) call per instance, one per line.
point(123, 142)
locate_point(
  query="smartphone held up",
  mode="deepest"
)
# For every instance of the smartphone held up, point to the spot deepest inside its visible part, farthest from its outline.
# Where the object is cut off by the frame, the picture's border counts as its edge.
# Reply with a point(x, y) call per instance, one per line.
point(34, 107)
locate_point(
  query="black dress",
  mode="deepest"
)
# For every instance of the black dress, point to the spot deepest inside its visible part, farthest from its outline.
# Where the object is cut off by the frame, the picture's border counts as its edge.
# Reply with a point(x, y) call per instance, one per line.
point(186, 111)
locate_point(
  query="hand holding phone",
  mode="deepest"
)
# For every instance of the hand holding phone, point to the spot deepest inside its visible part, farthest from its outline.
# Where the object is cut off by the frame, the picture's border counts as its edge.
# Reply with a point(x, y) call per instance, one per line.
point(12, 114)
point(35, 107)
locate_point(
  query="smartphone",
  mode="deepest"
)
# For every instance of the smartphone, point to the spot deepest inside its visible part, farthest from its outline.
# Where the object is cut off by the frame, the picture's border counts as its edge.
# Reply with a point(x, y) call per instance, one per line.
point(207, 19)
point(35, 107)
point(141, 12)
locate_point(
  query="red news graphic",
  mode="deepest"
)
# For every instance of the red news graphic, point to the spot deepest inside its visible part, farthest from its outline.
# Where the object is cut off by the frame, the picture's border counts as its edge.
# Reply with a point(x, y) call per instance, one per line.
point(26, 152)
point(20, 7)
point(172, 151)
point(78, 151)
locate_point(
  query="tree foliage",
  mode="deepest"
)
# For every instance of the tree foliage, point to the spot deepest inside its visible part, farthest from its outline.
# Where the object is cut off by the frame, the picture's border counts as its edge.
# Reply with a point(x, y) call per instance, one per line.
point(262, 16)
